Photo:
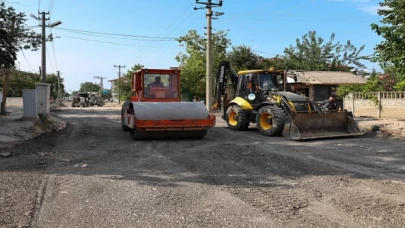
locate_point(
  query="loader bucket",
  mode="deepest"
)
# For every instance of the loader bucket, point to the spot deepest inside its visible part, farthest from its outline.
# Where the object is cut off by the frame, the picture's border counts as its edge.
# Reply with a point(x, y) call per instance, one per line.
point(305, 126)
point(164, 120)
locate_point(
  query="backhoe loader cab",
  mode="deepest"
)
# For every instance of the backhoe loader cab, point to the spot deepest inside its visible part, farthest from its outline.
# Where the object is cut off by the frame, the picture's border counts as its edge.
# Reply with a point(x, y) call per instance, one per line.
point(260, 99)
point(155, 110)
point(254, 85)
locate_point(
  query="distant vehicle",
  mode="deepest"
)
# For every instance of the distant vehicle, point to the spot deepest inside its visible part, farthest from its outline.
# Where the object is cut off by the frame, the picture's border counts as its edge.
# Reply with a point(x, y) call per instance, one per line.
point(96, 100)
point(81, 99)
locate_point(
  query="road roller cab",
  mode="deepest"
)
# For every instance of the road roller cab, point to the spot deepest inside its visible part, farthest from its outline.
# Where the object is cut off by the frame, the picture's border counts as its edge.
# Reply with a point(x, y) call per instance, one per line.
point(150, 85)
point(155, 109)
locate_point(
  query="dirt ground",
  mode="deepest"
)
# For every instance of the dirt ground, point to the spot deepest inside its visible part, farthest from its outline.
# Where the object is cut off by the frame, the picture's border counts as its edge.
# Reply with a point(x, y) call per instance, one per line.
point(385, 128)
point(90, 174)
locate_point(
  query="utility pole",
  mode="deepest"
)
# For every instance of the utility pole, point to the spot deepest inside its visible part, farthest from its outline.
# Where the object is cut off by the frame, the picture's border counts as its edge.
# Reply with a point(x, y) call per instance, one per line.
point(119, 80)
point(208, 86)
point(43, 53)
point(101, 83)
point(43, 50)
point(59, 88)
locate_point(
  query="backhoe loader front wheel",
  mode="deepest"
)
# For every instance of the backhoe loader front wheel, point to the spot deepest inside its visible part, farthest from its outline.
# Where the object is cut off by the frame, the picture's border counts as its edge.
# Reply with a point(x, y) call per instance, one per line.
point(236, 118)
point(271, 120)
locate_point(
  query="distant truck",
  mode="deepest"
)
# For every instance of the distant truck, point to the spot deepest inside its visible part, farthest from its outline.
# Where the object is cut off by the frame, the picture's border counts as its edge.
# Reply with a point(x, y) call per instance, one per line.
point(96, 100)
point(81, 100)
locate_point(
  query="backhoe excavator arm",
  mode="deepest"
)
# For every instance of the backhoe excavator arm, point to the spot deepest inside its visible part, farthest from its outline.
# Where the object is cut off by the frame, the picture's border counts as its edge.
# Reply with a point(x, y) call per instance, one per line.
point(225, 72)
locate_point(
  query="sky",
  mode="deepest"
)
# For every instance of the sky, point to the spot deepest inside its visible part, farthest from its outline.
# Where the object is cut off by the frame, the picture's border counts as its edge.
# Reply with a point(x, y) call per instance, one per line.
point(147, 30)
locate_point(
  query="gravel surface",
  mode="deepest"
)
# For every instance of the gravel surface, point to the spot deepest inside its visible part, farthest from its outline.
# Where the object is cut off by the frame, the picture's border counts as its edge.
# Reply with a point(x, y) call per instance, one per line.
point(92, 175)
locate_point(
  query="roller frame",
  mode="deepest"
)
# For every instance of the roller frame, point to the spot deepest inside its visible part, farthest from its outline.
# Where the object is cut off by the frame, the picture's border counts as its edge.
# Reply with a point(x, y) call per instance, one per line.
point(163, 127)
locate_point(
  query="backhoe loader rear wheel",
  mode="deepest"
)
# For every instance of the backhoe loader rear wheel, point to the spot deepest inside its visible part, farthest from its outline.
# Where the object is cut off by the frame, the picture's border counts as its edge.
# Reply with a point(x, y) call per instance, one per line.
point(236, 118)
point(271, 120)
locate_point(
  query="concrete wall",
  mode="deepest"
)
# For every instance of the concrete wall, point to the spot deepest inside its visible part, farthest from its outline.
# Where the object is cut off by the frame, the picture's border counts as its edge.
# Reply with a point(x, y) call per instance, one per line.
point(15, 102)
point(392, 104)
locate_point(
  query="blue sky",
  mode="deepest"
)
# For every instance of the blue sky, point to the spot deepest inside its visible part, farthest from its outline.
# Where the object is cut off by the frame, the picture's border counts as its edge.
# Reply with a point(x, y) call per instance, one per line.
point(268, 26)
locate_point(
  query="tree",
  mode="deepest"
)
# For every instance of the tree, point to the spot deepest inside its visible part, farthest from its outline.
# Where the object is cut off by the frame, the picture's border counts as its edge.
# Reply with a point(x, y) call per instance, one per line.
point(391, 51)
point(8, 53)
point(20, 80)
point(243, 58)
point(53, 80)
point(15, 36)
point(124, 85)
point(193, 62)
point(89, 87)
point(193, 75)
point(311, 53)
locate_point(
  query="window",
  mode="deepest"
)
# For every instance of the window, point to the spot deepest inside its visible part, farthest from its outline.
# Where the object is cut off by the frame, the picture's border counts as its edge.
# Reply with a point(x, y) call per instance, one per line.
point(270, 81)
point(161, 86)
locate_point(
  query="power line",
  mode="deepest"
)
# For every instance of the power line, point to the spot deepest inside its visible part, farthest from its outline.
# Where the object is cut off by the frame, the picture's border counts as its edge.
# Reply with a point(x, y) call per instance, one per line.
point(117, 34)
point(180, 15)
point(144, 55)
point(182, 31)
point(99, 41)
point(50, 32)
point(27, 61)
point(109, 36)
point(49, 57)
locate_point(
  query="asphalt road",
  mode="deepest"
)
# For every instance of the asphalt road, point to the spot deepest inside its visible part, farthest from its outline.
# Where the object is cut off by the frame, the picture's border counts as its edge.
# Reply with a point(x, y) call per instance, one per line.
point(94, 175)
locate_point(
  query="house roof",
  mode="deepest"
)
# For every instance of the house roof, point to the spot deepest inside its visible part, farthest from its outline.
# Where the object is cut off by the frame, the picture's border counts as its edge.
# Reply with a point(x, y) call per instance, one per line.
point(329, 78)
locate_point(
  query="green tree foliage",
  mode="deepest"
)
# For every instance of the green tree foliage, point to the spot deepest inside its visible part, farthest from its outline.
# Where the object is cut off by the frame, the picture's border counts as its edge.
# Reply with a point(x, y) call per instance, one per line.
point(398, 74)
point(15, 35)
point(89, 87)
point(388, 82)
point(20, 80)
point(391, 51)
point(311, 53)
point(374, 84)
point(53, 80)
point(193, 62)
point(8, 53)
point(125, 83)
point(243, 58)
point(193, 75)
point(400, 86)
point(277, 62)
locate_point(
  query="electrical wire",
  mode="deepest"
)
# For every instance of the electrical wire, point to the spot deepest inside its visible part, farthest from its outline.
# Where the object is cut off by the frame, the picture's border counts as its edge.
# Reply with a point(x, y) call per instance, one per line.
point(27, 61)
point(51, 2)
point(141, 51)
point(100, 41)
point(108, 36)
point(115, 34)
point(49, 58)
point(144, 55)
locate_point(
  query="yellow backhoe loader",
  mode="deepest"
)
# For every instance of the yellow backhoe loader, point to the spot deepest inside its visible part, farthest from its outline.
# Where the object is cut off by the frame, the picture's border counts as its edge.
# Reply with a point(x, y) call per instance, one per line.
point(259, 99)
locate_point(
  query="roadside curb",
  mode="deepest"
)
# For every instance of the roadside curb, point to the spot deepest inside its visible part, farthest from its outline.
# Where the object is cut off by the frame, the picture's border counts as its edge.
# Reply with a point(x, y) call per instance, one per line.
point(28, 129)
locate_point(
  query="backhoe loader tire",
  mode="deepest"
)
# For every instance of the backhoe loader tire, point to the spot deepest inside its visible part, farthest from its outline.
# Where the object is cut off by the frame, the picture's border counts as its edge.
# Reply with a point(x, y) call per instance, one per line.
point(236, 118)
point(273, 114)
